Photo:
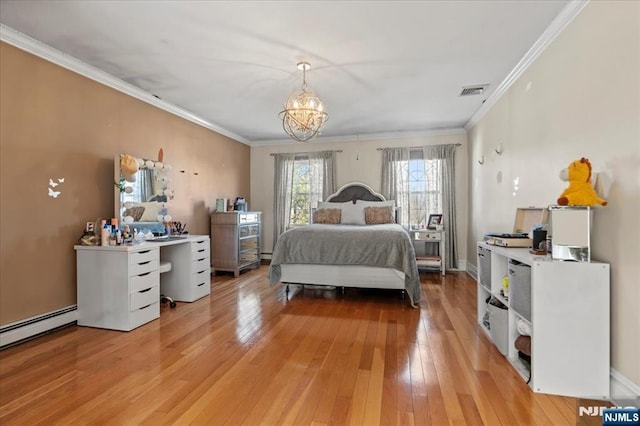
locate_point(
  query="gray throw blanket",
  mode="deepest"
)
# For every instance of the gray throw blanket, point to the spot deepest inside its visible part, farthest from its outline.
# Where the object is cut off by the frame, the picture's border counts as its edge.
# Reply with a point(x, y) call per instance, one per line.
point(387, 246)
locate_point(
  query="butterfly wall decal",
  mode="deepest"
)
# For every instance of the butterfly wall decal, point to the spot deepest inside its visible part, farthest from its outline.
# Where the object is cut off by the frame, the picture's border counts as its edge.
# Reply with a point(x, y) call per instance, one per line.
point(52, 183)
point(53, 193)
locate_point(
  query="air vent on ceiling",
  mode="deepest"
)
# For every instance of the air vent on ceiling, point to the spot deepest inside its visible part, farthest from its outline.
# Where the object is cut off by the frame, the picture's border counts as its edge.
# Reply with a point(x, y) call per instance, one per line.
point(474, 90)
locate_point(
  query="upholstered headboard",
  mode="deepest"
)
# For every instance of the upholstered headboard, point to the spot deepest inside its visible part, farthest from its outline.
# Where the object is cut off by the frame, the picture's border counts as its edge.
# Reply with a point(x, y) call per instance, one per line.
point(355, 191)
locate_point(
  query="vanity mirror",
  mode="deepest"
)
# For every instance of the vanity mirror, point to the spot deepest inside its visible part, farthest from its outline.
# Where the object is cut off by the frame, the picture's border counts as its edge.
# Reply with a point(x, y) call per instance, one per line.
point(142, 193)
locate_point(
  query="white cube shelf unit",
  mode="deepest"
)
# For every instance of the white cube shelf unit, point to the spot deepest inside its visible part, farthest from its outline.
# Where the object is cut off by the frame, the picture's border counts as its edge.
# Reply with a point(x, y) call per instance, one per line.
point(566, 306)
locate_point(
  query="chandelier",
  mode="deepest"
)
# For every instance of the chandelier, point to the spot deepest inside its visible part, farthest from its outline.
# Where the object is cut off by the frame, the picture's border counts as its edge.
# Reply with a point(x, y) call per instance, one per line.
point(303, 115)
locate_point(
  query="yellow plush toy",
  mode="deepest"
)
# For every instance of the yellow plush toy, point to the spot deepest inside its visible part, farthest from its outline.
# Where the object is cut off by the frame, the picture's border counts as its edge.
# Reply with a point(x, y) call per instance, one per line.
point(580, 192)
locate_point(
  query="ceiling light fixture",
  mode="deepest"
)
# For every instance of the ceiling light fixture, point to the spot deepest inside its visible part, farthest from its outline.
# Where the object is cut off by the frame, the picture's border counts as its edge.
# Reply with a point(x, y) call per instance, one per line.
point(303, 116)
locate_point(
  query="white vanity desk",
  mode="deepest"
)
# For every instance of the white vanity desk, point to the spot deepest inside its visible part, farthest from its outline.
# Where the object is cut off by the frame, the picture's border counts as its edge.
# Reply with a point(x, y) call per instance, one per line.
point(119, 286)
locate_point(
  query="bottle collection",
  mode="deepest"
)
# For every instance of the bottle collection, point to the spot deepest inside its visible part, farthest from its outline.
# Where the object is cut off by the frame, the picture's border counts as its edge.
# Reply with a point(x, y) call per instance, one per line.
point(110, 234)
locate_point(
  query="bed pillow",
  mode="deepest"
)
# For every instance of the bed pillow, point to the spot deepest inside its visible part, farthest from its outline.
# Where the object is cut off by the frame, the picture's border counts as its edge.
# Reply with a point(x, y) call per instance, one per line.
point(352, 214)
point(378, 215)
point(327, 216)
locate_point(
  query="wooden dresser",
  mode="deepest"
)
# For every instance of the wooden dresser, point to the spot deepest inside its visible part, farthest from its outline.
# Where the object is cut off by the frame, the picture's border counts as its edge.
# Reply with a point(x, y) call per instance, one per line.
point(235, 241)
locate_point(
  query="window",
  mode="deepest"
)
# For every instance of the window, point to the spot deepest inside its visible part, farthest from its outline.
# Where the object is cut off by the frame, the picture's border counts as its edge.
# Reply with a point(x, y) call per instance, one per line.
point(424, 190)
point(301, 181)
point(306, 190)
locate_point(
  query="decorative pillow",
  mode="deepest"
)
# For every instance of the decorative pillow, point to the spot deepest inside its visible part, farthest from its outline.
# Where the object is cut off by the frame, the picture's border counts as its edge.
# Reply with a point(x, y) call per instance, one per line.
point(135, 212)
point(328, 216)
point(352, 214)
point(378, 215)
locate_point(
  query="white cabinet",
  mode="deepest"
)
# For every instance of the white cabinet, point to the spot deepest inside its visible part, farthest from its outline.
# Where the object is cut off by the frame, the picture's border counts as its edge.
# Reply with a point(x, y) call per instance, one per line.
point(420, 240)
point(190, 276)
point(566, 307)
point(118, 287)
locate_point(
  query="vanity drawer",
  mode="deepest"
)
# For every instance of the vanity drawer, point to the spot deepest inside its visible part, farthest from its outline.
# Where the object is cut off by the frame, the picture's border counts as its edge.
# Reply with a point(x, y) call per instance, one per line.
point(196, 246)
point(144, 281)
point(143, 267)
point(200, 253)
point(201, 290)
point(144, 314)
point(200, 265)
point(200, 277)
point(143, 298)
point(143, 256)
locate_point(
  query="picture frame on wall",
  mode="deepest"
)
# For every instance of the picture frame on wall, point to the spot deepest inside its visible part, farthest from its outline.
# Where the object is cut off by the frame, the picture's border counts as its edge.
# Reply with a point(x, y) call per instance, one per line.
point(435, 222)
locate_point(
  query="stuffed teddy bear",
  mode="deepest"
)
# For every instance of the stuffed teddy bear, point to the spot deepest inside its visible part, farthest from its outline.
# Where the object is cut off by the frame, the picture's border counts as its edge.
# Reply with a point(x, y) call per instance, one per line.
point(580, 192)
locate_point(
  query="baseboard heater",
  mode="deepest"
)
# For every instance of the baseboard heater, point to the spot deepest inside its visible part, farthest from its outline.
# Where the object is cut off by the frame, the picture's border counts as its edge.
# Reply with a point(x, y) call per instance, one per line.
point(17, 332)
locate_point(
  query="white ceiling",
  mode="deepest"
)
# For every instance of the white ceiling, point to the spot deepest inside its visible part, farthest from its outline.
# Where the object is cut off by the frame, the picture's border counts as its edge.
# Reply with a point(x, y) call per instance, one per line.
point(379, 66)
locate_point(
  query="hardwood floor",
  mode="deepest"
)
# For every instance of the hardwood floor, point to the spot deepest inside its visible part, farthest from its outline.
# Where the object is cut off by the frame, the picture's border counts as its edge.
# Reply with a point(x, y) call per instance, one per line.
point(245, 355)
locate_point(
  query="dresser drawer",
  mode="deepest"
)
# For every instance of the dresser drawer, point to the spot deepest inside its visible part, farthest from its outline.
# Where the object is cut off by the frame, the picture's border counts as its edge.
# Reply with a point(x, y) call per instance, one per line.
point(143, 298)
point(143, 256)
point(144, 314)
point(201, 265)
point(137, 269)
point(248, 218)
point(249, 243)
point(248, 256)
point(144, 281)
point(249, 230)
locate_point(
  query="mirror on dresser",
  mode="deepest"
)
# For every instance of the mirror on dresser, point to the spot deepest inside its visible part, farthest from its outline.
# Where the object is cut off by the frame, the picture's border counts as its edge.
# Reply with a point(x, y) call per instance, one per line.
point(142, 193)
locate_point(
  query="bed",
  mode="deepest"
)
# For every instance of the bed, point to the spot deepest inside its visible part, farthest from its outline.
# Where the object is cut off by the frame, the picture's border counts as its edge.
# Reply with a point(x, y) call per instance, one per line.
point(366, 249)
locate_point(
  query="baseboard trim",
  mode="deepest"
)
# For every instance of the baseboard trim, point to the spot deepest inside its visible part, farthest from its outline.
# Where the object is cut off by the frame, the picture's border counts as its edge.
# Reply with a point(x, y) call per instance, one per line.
point(472, 270)
point(624, 393)
point(29, 328)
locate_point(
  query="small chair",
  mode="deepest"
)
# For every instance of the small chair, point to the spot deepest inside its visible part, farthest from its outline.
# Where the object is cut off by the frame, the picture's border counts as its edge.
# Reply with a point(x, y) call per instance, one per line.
point(166, 267)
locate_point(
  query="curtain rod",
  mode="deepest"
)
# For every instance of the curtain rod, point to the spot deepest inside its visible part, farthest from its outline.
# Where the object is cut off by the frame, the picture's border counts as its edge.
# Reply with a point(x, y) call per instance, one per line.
point(416, 147)
point(276, 153)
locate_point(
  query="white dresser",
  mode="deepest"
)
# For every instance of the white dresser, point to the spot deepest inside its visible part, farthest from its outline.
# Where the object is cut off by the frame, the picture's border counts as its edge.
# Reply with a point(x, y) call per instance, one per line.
point(119, 287)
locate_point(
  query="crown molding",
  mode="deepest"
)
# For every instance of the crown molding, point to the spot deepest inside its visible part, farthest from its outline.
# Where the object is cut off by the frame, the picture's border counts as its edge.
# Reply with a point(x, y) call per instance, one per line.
point(364, 137)
point(564, 18)
point(46, 52)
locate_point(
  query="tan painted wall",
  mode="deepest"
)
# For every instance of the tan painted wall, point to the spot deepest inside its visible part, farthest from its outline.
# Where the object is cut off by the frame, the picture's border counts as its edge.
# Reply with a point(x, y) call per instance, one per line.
point(55, 123)
point(359, 161)
point(580, 98)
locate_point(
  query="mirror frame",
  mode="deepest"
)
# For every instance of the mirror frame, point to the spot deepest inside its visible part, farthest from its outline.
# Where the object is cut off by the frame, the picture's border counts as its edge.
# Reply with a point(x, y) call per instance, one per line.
point(161, 188)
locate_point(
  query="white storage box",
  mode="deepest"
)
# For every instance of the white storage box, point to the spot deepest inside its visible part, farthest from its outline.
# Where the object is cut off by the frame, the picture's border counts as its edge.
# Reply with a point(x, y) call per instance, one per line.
point(499, 321)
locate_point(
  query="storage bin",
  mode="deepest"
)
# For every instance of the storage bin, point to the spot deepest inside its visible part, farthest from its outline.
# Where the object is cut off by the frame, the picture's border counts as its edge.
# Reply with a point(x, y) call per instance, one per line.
point(499, 321)
point(520, 289)
point(484, 262)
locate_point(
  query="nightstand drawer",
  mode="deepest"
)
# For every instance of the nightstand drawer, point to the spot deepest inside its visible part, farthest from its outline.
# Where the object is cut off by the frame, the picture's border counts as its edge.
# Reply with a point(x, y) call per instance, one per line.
point(144, 297)
point(427, 236)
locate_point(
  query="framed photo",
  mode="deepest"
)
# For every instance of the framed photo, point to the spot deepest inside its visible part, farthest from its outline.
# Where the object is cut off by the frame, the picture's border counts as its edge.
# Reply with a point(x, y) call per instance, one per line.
point(435, 221)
